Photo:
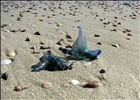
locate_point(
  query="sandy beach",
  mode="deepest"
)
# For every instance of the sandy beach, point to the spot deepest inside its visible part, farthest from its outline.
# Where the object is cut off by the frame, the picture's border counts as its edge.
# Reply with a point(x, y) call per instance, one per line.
point(112, 26)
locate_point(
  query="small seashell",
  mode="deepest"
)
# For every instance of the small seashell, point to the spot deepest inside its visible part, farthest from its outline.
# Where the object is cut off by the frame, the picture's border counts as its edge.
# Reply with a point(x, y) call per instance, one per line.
point(74, 82)
point(70, 40)
point(129, 34)
point(61, 40)
point(59, 24)
point(11, 54)
point(99, 43)
point(27, 39)
point(94, 84)
point(68, 36)
point(59, 43)
point(115, 45)
point(5, 76)
point(116, 17)
point(96, 35)
point(102, 71)
point(13, 30)
point(42, 43)
point(7, 61)
point(127, 30)
point(35, 52)
point(46, 85)
point(23, 30)
point(37, 33)
point(42, 47)
point(19, 88)
point(114, 30)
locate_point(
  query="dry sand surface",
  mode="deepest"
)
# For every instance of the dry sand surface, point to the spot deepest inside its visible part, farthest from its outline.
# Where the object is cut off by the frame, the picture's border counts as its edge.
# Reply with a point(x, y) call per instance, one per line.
point(109, 26)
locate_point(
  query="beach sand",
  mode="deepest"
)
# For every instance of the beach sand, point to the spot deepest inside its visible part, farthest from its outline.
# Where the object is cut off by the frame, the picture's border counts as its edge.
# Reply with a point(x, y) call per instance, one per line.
point(115, 23)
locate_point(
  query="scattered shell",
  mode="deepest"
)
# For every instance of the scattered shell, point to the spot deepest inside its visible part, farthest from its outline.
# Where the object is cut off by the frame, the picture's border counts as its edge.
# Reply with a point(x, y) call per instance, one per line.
point(74, 82)
point(102, 71)
point(42, 47)
point(42, 43)
point(59, 24)
point(14, 30)
point(70, 40)
point(37, 33)
point(68, 36)
point(99, 43)
point(114, 30)
point(11, 54)
point(35, 52)
point(59, 43)
point(46, 85)
point(129, 34)
point(19, 88)
point(61, 40)
point(127, 30)
point(94, 84)
point(7, 61)
point(23, 30)
point(115, 45)
point(27, 39)
point(5, 76)
point(96, 35)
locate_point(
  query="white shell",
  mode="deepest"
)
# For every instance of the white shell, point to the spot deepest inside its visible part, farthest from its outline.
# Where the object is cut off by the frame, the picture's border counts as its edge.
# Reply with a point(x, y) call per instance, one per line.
point(7, 61)
point(75, 82)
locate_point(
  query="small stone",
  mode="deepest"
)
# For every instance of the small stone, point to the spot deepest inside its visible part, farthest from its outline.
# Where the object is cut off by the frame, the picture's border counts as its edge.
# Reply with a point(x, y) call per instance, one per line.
point(23, 30)
point(37, 33)
point(11, 54)
point(68, 36)
point(7, 61)
point(127, 30)
point(129, 34)
point(99, 43)
point(42, 47)
point(46, 85)
point(102, 71)
point(42, 43)
point(59, 43)
point(5, 76)
point(114, 30)
point(59, 24)
point(27, 39)
point(96, 35)
point(74, 82)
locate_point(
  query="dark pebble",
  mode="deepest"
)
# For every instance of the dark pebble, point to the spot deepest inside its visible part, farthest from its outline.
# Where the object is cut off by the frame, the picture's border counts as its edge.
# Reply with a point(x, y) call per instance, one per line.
point(27, 39)
point(96, 35)
point(59, 43)
point(42, 47)
point(37, 33)
point(68, 36)
point(5, 76)
point(102, 71)
point(99, 43)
